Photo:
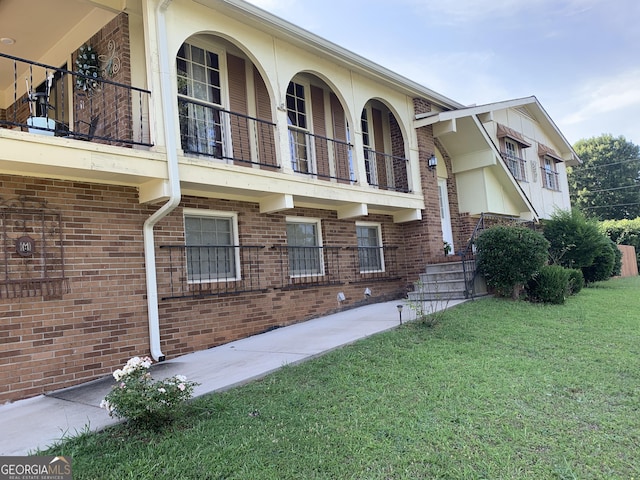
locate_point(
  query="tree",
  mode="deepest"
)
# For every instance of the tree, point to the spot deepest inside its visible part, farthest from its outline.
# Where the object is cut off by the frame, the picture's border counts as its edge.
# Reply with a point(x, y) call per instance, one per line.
point(607, 185)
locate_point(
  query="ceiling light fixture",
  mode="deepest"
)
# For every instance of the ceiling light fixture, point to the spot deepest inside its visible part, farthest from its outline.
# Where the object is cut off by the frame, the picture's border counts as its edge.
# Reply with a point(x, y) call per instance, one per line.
point(7, 41)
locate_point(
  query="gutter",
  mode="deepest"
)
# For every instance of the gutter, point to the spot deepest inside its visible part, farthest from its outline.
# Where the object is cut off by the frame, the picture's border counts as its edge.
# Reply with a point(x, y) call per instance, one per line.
point(168, 116)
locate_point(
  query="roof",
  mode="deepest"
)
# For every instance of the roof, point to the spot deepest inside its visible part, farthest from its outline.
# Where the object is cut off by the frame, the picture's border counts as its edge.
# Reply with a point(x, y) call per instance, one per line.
point(568, 154)
point(284, 29)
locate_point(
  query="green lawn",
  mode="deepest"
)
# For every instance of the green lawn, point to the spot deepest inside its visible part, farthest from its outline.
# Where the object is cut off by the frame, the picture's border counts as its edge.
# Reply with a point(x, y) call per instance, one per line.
point(497, 390)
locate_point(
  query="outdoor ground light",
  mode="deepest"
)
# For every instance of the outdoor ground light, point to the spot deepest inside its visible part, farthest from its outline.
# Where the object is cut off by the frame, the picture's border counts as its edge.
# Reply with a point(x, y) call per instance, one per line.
point(399, 307)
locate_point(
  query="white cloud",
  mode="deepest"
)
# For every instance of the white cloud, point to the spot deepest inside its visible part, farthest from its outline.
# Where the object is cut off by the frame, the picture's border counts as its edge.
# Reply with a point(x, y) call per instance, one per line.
point(603, 105)
point(466, 77)
point(600, 96)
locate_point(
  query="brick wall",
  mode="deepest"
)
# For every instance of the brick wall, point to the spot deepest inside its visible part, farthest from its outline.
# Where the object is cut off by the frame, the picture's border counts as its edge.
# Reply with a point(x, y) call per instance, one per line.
point(109, 103)
point(424, 238)
point(188, 324)
point(458, 224)
point(397, 150)
point(47, 344)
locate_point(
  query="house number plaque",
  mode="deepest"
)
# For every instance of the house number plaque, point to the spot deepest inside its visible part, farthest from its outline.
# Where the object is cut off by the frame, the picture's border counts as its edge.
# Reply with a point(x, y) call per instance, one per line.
point(25, 246)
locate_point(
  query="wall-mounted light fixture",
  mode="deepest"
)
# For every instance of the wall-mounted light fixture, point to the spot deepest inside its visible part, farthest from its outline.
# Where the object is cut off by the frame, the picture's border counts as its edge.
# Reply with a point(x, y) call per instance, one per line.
point(433, 162)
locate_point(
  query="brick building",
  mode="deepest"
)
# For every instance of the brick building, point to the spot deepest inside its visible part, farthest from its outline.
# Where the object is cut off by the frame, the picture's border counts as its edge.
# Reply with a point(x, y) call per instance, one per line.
point(211, 171)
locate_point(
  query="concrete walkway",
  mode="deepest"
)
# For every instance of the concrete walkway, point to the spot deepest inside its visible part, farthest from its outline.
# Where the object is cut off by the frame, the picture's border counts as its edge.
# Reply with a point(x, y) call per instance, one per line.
point(38, 422)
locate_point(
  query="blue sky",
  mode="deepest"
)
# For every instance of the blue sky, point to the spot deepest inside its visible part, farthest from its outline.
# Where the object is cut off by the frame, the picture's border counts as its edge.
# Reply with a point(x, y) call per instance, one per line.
point(580, 58)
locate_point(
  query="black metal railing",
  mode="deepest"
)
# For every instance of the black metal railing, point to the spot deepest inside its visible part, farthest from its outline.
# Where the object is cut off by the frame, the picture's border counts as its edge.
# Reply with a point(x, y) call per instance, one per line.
point(550, 179)
point(214, 132)
point(198, 271)
point(385, 171)
point(194, 271)
point(375, 263)
point(107, 112)
point(302, 267)
point(321, 157)
point(516, 165)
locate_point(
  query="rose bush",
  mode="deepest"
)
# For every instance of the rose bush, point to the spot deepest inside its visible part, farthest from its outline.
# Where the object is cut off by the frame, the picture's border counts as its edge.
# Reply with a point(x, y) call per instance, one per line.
point(142, 400)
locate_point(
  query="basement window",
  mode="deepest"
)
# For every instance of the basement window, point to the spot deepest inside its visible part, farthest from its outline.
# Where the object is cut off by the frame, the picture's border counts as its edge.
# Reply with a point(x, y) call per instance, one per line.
point(211, 241)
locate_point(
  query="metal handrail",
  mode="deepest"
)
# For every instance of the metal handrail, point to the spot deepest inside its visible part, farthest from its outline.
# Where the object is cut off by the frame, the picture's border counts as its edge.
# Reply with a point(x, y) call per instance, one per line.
point(91, 110)
point(230, 136)
point(399, 185)
point(331, 147)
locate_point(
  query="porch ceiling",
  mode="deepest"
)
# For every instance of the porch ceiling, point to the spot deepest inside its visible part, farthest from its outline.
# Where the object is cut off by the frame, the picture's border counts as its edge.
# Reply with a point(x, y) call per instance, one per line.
point(38, 26)
point(474, 153)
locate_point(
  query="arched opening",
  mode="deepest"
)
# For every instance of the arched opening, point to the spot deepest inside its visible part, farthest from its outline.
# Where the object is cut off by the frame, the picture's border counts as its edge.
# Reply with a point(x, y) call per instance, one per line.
point(385, 159)
point(224, 105)
point(319, 135)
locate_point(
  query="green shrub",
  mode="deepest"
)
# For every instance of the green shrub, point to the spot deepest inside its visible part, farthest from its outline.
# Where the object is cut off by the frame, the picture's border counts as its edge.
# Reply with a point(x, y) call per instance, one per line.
point(604, 262)
point(576, 281)
point(617, 261)
point(623, 232)
point(549, 285)
point(509, 256)
point(573, 239)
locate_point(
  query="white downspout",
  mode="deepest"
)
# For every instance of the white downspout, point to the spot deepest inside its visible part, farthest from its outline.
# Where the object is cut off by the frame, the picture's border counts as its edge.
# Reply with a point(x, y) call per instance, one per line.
point(168, 119)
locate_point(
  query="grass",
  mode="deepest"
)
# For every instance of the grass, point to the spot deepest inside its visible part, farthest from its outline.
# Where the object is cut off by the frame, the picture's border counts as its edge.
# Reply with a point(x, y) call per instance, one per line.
point(497, 390)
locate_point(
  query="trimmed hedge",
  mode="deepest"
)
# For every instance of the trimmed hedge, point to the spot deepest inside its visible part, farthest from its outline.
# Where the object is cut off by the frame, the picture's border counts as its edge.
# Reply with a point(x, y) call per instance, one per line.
point(509, 256)
point(623, 232)
point(606, 260)
point(576, 281)
point(549, 285)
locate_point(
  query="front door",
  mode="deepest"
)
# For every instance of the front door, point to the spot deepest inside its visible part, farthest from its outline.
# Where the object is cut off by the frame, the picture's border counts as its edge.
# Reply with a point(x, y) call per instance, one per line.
point(445, 216)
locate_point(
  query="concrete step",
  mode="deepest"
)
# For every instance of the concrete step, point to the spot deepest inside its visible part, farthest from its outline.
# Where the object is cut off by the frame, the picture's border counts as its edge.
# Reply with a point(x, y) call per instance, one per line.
point(444, 267)
point(439, 285)
point(436, 296)
point(434, 277)
point(444, 281)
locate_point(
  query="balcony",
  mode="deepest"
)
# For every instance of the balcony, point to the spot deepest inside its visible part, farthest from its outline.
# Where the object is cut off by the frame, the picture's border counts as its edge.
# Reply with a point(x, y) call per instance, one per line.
point(239, 139)
point(321, 157)
point(385, 171)
point(46, 100)
point(516, 166)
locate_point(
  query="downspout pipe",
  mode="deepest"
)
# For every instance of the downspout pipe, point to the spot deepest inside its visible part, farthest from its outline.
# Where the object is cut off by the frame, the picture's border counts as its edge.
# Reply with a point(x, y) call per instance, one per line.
point(168, 120)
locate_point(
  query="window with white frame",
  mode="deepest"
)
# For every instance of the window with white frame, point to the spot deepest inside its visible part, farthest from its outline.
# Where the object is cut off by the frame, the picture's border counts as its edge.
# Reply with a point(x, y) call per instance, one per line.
point(304, 242)
point(301, 155)
point(370, 254)
point(369, 153)
point(211, 240)
point(200, 100)
point(549, 173)
point(514, 159)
